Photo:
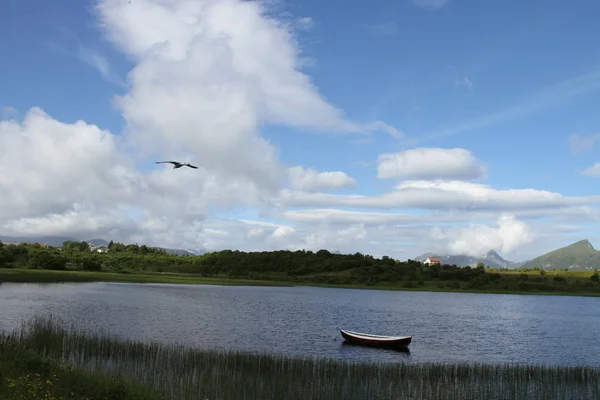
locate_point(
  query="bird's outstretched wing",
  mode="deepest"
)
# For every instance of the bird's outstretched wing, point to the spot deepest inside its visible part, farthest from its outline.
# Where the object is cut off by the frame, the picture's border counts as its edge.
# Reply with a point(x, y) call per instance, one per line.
point(177, 164)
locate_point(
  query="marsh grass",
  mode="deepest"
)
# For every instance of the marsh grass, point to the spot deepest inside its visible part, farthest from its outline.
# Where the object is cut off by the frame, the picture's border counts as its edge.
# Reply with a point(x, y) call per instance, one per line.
point(182, 373)
point(26, 375)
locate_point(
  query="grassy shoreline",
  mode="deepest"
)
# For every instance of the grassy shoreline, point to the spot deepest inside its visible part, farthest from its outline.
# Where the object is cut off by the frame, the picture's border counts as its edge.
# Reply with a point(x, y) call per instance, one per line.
point(178, 372)
point(18, 275)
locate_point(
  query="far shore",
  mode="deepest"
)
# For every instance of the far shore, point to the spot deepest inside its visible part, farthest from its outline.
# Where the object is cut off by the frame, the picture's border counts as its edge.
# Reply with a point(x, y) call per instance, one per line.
point(18, 275)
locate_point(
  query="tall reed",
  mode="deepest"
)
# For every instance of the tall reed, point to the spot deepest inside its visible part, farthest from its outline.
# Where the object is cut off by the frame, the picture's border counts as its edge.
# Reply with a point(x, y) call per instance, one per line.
point(182, 373)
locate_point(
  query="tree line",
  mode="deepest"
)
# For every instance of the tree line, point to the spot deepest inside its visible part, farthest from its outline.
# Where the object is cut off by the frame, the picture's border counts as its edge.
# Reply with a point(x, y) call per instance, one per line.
point(301, 266)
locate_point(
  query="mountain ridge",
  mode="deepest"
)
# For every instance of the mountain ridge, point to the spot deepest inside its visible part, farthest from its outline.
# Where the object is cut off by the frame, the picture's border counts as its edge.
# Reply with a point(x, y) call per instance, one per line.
point(58, 241)
point(580, 255)
point(489, 259)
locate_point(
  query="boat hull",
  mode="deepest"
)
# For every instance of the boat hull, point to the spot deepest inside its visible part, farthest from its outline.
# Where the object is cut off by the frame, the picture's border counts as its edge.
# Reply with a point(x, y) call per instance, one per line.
point(376, 340)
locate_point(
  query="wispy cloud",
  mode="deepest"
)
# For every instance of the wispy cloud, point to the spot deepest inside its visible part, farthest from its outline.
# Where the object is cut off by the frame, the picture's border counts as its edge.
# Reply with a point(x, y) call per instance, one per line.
point(593, 171)
point(99, 63)
point(430, 4)
point(581, 144)
point(84, 53)
point(540, 100)
point(7, 112)
point(464, 82)
point(384, 28)
point(305, 23)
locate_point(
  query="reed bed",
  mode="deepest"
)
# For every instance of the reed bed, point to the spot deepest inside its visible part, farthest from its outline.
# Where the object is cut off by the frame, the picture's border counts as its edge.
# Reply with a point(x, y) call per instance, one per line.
point(183, 373)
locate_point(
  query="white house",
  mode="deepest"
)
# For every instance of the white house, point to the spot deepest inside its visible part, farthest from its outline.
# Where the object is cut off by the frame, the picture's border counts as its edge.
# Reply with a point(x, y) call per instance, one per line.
point(431, 260)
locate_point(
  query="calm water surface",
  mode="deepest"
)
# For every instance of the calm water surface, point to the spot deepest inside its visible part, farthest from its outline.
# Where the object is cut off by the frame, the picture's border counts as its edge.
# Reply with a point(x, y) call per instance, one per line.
point(447, 327)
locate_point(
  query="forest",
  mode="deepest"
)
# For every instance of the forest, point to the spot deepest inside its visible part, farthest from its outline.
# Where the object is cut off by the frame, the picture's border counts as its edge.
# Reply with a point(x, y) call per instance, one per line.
point(299, 267)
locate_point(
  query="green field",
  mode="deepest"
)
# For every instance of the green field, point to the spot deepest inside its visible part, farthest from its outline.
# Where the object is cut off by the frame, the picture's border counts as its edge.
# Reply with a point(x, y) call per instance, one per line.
point(47, 276)
point(46, 357)
point(550, 273)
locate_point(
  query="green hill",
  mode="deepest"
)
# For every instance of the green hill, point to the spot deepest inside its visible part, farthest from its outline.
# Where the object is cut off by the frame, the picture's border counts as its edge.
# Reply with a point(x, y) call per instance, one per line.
point(579, 255)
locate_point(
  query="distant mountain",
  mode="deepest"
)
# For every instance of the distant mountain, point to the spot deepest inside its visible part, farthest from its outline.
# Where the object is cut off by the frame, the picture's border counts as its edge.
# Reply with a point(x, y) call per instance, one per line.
point(490, 259)
point(47, 240)
point(57, 241)
point(580, 255)
point(182, 252)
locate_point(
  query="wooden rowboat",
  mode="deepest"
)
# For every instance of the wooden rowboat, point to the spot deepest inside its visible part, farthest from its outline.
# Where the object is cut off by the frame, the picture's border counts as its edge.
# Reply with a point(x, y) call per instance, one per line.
point(375, 340)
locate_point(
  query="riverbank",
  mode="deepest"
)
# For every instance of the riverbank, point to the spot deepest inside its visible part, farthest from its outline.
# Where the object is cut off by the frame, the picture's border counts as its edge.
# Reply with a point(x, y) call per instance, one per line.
point(16, 275)
point(48, 276)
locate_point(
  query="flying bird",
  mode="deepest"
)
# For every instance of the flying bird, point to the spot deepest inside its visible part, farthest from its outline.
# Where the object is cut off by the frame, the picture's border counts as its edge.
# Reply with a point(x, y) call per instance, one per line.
point(177, 164)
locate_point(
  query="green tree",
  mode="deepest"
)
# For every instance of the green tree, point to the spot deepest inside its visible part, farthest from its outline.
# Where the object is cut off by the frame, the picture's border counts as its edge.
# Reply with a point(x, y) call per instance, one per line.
point(45, 259)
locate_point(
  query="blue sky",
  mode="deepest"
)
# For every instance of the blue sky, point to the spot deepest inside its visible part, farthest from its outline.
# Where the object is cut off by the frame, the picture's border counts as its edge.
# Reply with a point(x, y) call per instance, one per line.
point(508, 81)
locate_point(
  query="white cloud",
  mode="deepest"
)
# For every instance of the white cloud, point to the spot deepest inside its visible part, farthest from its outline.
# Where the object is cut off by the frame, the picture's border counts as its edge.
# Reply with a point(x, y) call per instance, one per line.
point(464, 81)
point(441, 195)
point(75, 178)
point(509, 235)
point(581, 144)
point(305, 23)
point(593, 171)
point(430, 4)
point(332, 239)
point(99, 63)
point(430, 164)
point(251, 76)
point(308, 179)
point(283, 231)
point(336, 216)
point(208, 75)
point(256, 233)
point(74, 222)
point(96, 191)
point(332, 216)
point(46, 167)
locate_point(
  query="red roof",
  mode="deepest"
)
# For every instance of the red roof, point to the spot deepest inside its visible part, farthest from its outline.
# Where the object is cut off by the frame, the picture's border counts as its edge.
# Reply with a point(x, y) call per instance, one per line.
point(434, 259)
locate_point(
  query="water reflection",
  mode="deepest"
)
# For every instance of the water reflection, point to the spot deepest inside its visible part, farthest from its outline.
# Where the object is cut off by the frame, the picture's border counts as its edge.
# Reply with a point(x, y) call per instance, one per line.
point(404, 351)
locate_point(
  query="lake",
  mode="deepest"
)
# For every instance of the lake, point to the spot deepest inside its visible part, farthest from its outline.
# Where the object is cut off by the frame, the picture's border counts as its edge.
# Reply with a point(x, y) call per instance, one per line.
point(305, 321)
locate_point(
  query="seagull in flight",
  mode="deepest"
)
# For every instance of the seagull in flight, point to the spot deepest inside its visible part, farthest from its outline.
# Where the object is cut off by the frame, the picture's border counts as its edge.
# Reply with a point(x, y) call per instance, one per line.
point(177, 164)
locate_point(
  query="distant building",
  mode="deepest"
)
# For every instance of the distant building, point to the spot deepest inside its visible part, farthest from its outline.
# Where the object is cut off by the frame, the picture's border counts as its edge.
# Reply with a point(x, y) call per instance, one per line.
point(102, 249)
point(431, 260)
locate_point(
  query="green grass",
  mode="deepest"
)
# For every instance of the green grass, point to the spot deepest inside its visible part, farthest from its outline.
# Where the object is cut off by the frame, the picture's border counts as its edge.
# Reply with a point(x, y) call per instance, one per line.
point(27, 375)
point(49, 276)
point(181, 373)
point(431, 286)
point(549, 273)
